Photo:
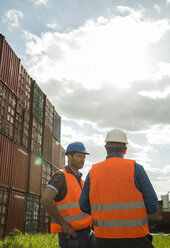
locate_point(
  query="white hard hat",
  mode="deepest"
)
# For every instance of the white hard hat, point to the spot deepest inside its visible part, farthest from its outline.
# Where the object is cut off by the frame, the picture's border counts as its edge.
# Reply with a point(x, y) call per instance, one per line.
point(116, 135)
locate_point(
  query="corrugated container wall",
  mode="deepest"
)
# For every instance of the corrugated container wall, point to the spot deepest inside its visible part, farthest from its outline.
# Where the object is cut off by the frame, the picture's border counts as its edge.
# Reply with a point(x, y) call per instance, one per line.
point(36, 140)
point(32, 212)
point(4, 194)
point(44, 219)
point(35, 175)
point(47, 145)
point(6, 154)
point(16, 211)
point(22, 125)
point(8, 103)
point(9, 65)
point(24, 88)
point(37, 102)
point(57, 126)
point(20, 169)
point(58, 155)
point(46, 174)
point(22, 122)
point(49, 115)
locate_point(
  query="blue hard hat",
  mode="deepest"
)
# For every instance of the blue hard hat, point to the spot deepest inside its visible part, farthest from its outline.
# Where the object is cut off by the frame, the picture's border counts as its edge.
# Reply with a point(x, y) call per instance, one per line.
point(76, 147)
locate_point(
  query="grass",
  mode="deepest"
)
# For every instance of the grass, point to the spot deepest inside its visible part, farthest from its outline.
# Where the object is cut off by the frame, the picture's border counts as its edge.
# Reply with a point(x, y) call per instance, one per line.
point(16, 239)
point(161, 240)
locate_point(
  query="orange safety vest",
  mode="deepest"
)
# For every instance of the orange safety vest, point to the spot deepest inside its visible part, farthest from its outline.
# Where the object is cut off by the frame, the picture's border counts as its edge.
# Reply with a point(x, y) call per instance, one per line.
point(117, 207)
point(69, 207)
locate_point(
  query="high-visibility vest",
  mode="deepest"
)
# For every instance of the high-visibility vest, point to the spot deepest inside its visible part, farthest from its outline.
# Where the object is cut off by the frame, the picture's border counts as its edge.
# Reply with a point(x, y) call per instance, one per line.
point(69, 207)
point(117, 207)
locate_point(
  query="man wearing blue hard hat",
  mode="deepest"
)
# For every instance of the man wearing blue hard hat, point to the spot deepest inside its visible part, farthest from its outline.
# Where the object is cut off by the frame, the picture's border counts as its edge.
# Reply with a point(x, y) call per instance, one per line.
point(61, 201)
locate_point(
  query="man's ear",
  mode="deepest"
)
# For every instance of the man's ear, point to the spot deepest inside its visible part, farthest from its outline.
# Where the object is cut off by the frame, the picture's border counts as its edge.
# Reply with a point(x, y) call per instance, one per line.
point(125, 151)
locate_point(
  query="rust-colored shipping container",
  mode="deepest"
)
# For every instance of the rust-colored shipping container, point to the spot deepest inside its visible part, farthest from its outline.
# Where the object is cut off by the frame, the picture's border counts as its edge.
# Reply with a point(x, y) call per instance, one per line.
point(22, 125)
point(54, 170)
point(24, 88)
point(49, 115)
point(8, 102)
point(36, 140)
point(32, 214)
point(9, 65)
point(58, 155)
point(57, 126)
point(47, 145)
point(6, 154)
point(20, 169)
point(46, 174)
point(37, 102)
point(44, 221)
point(16, 211)
point(35, 175)
point(4, 194)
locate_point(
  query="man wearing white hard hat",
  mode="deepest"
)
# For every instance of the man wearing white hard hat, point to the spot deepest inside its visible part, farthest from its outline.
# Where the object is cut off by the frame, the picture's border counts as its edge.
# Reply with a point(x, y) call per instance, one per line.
point(118, 194)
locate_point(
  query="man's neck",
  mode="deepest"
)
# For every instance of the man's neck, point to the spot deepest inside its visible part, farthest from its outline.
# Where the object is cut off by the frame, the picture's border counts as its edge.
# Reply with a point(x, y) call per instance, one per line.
point(74, 169)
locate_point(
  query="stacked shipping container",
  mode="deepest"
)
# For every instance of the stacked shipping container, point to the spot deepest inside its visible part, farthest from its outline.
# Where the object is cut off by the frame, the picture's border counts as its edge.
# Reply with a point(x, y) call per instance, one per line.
point(30, 150)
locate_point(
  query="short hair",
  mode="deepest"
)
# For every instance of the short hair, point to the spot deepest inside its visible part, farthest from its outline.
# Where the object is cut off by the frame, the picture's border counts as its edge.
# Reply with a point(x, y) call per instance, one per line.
point(115, 147)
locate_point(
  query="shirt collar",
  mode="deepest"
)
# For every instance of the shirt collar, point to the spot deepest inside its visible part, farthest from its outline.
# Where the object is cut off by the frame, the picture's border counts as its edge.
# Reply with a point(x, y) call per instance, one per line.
point(113, 155)
point(69, 170)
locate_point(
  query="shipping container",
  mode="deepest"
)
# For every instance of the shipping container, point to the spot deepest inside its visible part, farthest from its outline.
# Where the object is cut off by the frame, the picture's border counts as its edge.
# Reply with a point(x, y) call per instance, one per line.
point(35, 175)
point(9, 65)
point(8, 102)
point(16, 211)
point(46, 174)
point(47, 145)
point(54, 170)
point(6, 155)
point(4, 195)
point(57, 126)
point(22, 126)
point(36, 140)
point(49, 115)
point(58, 155)
point(20, 169)
point(37, 102)
point(24, 88)
point(32, 214)
point(44, 221)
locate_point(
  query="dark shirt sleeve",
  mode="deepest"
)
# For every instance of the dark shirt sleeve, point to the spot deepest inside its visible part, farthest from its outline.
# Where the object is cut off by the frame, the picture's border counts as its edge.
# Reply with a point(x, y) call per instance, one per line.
point(84, 201)
point(144, 185)
point(58, 183)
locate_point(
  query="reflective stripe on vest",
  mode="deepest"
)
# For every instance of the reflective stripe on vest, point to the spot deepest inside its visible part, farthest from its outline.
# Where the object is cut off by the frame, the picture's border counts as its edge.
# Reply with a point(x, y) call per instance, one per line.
point(74, 217)
point(117, 206)
point(68, 205)
point(120, 223)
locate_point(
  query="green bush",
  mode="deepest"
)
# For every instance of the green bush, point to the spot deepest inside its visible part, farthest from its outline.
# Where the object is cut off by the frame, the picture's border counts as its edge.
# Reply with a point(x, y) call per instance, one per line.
point(17, 239)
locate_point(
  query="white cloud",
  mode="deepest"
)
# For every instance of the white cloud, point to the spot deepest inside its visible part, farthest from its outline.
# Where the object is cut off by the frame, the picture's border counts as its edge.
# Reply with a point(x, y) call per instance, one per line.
point(102, 74)
point(160, 178)
point(41, 2)
point(12, 18)
point(110, 107)
point(168, 2)
point(52, 25)
point(159, 135)
point(157, 7)
point(111, 50)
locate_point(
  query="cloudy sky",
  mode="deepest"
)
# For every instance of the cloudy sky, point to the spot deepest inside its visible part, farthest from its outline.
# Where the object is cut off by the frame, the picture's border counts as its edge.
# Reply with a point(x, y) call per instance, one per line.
point(103, 64)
